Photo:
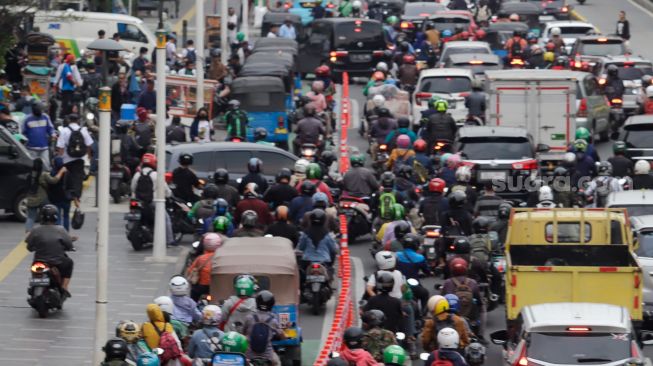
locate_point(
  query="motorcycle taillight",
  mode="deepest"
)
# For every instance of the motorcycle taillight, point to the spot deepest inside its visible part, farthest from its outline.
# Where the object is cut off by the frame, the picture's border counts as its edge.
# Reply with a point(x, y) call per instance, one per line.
point(39, 267)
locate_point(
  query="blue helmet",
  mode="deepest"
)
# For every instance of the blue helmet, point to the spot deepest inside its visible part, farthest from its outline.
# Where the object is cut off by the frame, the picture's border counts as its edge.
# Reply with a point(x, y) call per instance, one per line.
point(447, 33)
point(148, 359)
point(320, 197)
point(454, 303)
point(390, 81)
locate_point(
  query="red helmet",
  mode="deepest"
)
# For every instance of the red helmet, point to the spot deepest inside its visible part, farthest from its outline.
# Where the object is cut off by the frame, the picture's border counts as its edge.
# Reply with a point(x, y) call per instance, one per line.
point(464, 35)
point(409, 59)
point(550, 46)
point(378, 76)
point(480, 34)
point(437, 185)
point(322, 70)
point(419, 145)
point(149, 160)
point(141, 113)
point(458, 267)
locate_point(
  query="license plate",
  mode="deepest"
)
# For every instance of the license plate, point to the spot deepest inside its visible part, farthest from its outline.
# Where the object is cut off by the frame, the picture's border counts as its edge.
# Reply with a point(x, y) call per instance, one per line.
point(315, 278)
point(361, 58)
point(39, 281)
point(431, 250)
point(116, 174)
point(546, 18)
point(492, 175)
point(280, 131)
point(133, 216)
point(308, 5)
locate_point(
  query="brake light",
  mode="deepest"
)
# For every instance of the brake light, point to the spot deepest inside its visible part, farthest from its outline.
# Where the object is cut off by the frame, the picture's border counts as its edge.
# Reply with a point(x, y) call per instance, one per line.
point(377, 53)
point(133, 203)
point(637, 280)
point(383, 147)
point(522, 360)
point(578, 64)
point(517, 61)
point(281, 122)
point(346, 205)
point(432, 234)
point(476, 62)
point(463, 95)
point(578, 329)
point(209, 298)
point(582, 108)
point(407, 25)
point(616, 101)
point(315, 265)
point(602, 81)
point(452, 247)
point(168, 177)
point(421, 96)
point(287, 5)
point(602, 40)
point(330, 6)
point(335, 54)
point(39, 267)
point(525, 165)
point(565, 9)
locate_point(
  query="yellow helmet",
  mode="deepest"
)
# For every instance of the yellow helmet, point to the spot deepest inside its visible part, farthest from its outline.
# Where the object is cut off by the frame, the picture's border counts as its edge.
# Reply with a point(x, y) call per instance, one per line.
point(430, 305)
point(549, 56)
point(129, 331)
point(441, 307)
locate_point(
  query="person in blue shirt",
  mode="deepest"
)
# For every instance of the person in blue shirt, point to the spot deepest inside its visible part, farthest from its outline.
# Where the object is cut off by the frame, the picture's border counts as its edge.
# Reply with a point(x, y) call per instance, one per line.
point(410, 264)
point(302, 203)
point(318, 10)
point(206, 340)
point(287, 30)
point(147, 99)
point(316, 243)
point(39, 131)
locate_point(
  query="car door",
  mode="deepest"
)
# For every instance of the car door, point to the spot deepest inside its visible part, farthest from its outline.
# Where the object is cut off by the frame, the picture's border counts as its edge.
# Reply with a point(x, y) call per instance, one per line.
point(14, 169)
point(235, 161)
point(645, 258)
point(273, 162)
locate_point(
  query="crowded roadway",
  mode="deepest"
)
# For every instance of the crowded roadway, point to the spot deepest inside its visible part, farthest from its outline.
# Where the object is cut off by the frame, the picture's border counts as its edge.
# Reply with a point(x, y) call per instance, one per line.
point(469, 181)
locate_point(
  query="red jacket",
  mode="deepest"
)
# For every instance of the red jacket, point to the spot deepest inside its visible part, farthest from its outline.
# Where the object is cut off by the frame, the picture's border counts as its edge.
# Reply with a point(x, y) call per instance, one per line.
point(321, 187)
point(256, 205)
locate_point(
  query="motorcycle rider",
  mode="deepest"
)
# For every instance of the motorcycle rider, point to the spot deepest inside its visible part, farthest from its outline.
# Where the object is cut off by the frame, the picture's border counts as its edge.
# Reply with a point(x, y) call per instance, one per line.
point(260, 135)
point(621, 165)
point(236, 121)
point(614, 86)
point(249, 226)
point(404, 129)
point(309, 130)
point(401, 154)
point(205, 207)
point(353, 353)
point(131, 332)
point(545, 198)
point(376, 339)
point(299, 171)
point(562, 192)
point(475, 101)
point(390, 306)
point(314, 175)
point(584, 166)
point(225, 190)
point(115, 353)
point(516, 46)
point(264, 303)
point(584, 134)
point(202, 264)
point(280, 193)
point(252, 201)
point(398, 216)
point(449, 349)
point(185, 179)
point(50, 242)
point(315, 243)
point(457, 221)
point(433, 205)
point(442, 319)
point(283, 227)
point(380, 129)
point(360, 181)
point(303, 203)
point(206, 340)
point(386, 261)
point(408, 73)
point(558, 42)
point(500, 225)
point(421, 162)
point(488, 203)
point(410, 264)
point(440, 126)
point(240, 306)
point(394, 356)
point(168, 309)
point(642, 179)
point(601, 186)
point(463, 178)
point(254, 167)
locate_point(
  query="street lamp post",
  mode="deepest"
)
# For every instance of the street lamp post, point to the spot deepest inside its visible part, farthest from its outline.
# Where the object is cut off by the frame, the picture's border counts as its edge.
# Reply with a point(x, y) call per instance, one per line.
point(199, 42)
point(224, 43)
point(159, 249)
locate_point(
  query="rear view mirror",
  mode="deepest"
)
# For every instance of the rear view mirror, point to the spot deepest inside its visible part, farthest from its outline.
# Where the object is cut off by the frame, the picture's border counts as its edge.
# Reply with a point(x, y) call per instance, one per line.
point(542, 148)
point(647, 338)
point(500, 337)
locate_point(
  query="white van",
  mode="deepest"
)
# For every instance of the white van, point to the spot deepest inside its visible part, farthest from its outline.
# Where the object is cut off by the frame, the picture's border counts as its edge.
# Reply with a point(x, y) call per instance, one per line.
point(74, 30)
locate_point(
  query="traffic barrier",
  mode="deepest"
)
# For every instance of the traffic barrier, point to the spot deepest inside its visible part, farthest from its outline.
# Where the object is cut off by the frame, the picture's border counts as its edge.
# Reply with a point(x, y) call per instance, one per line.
point(344, 312)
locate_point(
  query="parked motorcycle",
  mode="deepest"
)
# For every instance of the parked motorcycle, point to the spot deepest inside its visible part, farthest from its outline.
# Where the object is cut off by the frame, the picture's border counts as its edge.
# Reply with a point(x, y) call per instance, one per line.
point(45, 290)
point(359, 218)
point(317, 288)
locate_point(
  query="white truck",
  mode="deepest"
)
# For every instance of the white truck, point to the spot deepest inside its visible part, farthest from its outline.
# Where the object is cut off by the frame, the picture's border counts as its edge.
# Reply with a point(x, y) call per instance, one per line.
point(541, 101)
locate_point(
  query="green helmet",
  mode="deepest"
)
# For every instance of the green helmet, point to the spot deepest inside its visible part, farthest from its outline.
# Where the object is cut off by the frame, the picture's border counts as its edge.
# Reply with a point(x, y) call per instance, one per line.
point(619, 147)
point(221, 224)
point(313, 171)
point(580, 145)
point(244, 286)
point(398, 212)
point(240, 36)
point(392, 20)
point(434, 99)
point(358, 160)
point(583, 134)
point(441, 105)
point(394, 355)
point(234, 342)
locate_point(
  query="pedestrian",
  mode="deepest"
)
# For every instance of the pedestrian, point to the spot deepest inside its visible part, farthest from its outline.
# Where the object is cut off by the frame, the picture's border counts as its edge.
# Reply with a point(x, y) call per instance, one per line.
point(120, 95)
point(287, 30)
point(175, 132)
point(73, 144)
point(26, 100)
point(57, 195)
point(37, 193)
point(147, 99)
point(623, 26)
point(39, 131)
point(232, 25)
point(68, 79)
point(171, 51)
point(189, 53)
point(139, 62)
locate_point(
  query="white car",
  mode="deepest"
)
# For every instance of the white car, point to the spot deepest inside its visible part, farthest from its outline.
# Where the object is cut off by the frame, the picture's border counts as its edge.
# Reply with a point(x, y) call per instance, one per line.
point(450, 84)
point(462, 47)
point(636, 202)
point(569, 30)
point(643, 233)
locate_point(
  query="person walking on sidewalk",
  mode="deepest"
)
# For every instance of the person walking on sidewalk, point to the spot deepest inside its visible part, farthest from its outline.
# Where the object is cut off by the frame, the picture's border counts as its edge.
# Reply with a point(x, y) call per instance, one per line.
point(623, 26)
point(57, 194)
point(39, 131)
point(37, 193)
point(73, 144)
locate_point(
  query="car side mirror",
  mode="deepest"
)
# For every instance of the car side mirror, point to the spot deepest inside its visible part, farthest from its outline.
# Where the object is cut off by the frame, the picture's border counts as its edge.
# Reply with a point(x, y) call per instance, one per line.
point(542, 148)
point(500, 337)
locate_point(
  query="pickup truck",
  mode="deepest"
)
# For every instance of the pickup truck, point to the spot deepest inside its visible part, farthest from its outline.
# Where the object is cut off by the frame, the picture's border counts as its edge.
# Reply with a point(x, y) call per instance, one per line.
point(571, 255)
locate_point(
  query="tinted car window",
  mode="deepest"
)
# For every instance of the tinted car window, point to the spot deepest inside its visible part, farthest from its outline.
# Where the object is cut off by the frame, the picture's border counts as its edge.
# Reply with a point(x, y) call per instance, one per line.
point(590, 86)
point(262, 102)
point(478, 69)
point(639, 136)
point(565, 31)
point(273, 162)
point(351, 35)
point(636, 210)
point(460, 50)
point(485, 148)
point(235, 161)
point(645, 240)
point(450, 22)
point(446, 84)
point(421, 10)
point(204, 161)
point(596, 48)
point(581, 348)
point(634, 72)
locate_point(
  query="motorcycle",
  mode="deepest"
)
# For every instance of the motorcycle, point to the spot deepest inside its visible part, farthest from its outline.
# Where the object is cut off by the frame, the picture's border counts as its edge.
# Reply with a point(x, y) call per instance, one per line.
point(309, 152)
point(617, 114)
point(139, 225)
point(431, 235)
point(359, 218)
point(475, 353)
point(517, 62)
point(118, 185)
point(181, 224)
point(45, 290)
point(196, 249)
point(317, 289)
point(382, 157)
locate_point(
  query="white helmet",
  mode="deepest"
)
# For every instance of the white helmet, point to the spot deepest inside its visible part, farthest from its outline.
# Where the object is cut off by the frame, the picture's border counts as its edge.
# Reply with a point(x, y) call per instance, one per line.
point(464, 174)
point(430, 305)
point(300, 166)
point(555, 31)
point(545, 194)
point(642, 167)
point(570, 158)
point(165, 303)
point(211, 315)
point(179, 286)
point(448, 338)
point(382, 66)
point(379, 100)
point(385, 260)
point(211, 242)
point(649, 91)
point(356, 4)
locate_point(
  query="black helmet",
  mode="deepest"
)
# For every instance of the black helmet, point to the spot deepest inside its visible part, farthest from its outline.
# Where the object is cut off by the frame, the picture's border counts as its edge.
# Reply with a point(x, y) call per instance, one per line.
point(249, 218)
point(260, 133)
point(383, 112)
point(457, 199)
point(328, 157)
point(388, 180)
point(410, 241)
point(221, 176)
point(404, 46)
point(613, 70)
point(309, 110)
point(405, 171)
point(373, 318)
point(504, 210)
point(210, 191)
point(185, 159)
point(385, 281)
point(403, 122)
point(401, 229)
point(284, 173)
point(318, 217)
point(221, 206)
point(560, 171)
point(115, 349)
point(49, 214)
point(308, 188)
point(337, 361)
point(254, 165)
point(265, 300)
point(353, 337)
point(480, 225)
point(462, 246)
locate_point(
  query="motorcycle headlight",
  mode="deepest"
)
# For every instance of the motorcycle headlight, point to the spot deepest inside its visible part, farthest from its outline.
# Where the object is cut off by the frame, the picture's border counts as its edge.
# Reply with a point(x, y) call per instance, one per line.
point(90, 116)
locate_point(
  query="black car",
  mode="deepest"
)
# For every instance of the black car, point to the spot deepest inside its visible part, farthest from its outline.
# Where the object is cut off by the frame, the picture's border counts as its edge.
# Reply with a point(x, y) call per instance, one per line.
point(638, 135)
point(559, 9)
point(232, 156)
point(504, 156)
point(383, 9)
point(346, 44)
point(15, 167)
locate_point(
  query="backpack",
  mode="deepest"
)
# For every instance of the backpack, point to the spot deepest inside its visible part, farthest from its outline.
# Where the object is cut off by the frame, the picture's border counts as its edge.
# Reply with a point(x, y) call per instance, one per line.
point(441, 361)
point(206, 209)
point(401, 161)
point(386, 201)
point(76, 145)
point(191, 56)
point(259, 337)
point(516, 48)
point(603, 188)
point(465, 296)
point(481, 247)
point(145, 187)
point(168, 344)
point(421, 174)
point(143, 134)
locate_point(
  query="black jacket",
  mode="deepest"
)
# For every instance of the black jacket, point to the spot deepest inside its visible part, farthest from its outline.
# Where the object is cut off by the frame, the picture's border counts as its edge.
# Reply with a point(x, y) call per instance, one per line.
point(280, 194)
point(440, 126)
point(49, 243)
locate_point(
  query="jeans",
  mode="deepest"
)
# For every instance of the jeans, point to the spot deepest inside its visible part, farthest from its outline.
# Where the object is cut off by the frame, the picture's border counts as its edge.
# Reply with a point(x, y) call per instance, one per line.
point(31, 217)
point(44, 154)
point(64, 214)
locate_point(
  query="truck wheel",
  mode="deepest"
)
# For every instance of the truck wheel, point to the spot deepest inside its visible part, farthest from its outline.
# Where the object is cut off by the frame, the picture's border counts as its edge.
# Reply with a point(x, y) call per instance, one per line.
point(20, 207)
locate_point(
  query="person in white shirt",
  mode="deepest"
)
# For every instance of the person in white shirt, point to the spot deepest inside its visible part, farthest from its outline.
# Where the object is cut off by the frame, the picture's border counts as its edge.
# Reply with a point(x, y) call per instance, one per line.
point(287, 30)
point(232, 25)
point(171, 51)
point(203, 127)
point(273, 32)
point(74, 164)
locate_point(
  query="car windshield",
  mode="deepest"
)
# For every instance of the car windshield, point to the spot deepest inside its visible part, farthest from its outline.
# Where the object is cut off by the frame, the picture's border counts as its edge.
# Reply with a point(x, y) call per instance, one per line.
point(421, 10)
point(488, 148)
point(359, 35)
point(446, 84)
point(639, 136)
point(578, 348)
point(596, 48)
point(460, 50)
point(636, 210)
point(634, 72)
point(645, 240)
point(449, 23)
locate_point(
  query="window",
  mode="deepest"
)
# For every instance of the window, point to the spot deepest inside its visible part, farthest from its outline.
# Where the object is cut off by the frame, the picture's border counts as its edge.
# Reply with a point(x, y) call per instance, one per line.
point(450, 23)
point(273, 162)
point(485, 148)
point(234, 161)
point(580, 348)
point(590, 86)
point(639, 136)
point(366, 35)
point(568, 232)
point(595, 48)
point(446, 84)
point(204, 161)
point(645, 240)
point(130, 32)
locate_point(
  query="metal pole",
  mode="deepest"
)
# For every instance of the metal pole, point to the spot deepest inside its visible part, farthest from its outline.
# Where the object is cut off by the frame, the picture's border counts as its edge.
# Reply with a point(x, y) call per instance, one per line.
point(184, 31)
point(159, 250)
point(245, 13)
point(224, 43)
point(199, 51)
point(103, 225)
point(130, 9)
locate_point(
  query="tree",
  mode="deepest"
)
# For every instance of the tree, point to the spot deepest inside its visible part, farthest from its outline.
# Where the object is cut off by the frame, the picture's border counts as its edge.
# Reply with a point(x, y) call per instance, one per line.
point(15, 18)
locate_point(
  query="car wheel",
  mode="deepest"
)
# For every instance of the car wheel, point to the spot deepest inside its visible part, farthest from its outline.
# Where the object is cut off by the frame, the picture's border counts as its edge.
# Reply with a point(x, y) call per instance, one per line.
point(20, 207)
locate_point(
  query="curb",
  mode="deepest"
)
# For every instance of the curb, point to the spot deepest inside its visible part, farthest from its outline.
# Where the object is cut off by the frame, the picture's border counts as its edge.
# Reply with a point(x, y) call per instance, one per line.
point(646, 4)
point(577, 16)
